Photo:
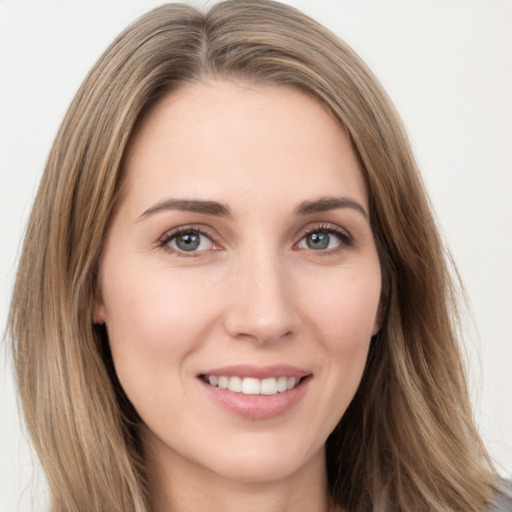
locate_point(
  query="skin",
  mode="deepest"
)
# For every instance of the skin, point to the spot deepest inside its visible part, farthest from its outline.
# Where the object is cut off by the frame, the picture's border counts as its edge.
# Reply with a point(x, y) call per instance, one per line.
point(254, 291)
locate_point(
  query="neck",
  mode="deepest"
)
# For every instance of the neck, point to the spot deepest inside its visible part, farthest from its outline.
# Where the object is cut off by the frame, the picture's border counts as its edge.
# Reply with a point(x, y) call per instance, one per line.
point(181, 486)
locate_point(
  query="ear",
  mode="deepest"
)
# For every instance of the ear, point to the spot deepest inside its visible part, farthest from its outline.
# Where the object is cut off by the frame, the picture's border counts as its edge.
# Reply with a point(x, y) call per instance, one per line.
point(376, 326)
point(379, 317)
point(98, 308)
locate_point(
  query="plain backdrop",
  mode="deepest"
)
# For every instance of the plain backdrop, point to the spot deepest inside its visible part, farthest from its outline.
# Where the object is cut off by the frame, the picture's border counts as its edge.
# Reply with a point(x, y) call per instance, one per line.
point(447, 66)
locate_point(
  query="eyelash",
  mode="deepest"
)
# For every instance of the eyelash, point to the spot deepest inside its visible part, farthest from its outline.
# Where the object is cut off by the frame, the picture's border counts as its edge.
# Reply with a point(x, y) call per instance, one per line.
point(346, 239)
point(171, 235)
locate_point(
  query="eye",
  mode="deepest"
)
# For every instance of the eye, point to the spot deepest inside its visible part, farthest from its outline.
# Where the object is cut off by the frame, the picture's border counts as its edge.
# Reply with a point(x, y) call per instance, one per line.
point(187, 241)
point(324, 239)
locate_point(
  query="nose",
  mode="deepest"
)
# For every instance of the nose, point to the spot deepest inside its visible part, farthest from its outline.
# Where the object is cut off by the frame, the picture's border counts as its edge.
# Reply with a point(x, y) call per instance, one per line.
point(261, 302)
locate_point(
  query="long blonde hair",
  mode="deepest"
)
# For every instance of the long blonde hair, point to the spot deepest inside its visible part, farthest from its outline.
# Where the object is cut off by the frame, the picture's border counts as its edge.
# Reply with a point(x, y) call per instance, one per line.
point(407, 441)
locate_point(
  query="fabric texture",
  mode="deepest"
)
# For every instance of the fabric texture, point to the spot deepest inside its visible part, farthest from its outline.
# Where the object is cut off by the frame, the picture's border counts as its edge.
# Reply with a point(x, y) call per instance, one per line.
point(503, 501)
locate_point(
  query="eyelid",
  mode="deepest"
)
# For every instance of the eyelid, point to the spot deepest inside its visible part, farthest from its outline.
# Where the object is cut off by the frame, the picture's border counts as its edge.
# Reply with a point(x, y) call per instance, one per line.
point(347, 240)
point(163, 241)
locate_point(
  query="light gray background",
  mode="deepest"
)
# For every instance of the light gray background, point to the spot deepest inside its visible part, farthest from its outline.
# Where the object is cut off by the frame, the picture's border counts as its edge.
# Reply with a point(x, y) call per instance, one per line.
point(446, 64)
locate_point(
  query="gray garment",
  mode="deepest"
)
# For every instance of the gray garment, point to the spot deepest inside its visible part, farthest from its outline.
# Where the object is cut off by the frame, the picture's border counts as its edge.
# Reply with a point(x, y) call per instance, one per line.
point(503, 501)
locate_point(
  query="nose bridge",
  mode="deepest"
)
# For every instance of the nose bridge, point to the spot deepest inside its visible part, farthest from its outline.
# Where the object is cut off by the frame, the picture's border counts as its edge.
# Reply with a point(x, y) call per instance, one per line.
point(261, 305)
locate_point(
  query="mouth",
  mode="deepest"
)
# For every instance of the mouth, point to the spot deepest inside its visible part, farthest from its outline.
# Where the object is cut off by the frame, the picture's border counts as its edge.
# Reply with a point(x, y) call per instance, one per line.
point(256, 393)
point(253, 386)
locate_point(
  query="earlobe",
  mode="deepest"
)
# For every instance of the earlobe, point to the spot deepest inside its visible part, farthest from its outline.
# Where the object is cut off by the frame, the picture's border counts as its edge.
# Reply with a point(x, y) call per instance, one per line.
point(379, 318)
point(98, 320)
point(98, 311)
point(98, 316)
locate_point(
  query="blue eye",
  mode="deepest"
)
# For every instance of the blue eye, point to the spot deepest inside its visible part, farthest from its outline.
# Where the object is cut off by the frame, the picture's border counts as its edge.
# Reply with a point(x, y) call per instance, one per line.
point(190, 240)
point(324, 239)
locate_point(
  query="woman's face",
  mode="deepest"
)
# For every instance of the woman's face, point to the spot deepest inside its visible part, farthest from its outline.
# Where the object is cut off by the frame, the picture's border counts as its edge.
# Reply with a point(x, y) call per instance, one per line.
point(240, 255)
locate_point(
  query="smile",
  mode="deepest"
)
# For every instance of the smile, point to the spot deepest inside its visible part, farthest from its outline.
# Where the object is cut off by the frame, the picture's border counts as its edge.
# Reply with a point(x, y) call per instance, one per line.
point(256, 392)
point(253, 386)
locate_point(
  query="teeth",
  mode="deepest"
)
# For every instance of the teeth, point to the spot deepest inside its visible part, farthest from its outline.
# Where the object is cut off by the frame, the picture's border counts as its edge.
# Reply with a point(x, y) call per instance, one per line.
point(251, 386)
point(223, 382)
point(269, 387)
point(235, 384)
point(282, 384)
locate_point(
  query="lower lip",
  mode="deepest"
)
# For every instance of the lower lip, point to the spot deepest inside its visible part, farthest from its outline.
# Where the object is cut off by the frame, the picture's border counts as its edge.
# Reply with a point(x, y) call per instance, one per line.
point(257, 407)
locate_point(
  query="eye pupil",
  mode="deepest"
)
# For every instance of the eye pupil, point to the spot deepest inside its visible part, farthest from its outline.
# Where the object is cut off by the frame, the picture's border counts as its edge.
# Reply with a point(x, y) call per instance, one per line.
point(188, 241)
point(318, 240)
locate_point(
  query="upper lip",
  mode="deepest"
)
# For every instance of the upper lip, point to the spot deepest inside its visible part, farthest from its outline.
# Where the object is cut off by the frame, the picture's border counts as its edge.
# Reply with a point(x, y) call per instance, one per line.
point(259, 372)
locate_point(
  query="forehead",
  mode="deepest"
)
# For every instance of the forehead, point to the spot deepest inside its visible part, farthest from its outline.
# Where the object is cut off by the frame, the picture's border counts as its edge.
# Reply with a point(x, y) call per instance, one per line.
point(238, 139)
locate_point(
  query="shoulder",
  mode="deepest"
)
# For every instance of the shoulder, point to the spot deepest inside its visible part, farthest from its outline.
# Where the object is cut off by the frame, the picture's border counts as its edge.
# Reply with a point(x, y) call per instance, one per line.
point(503, 500)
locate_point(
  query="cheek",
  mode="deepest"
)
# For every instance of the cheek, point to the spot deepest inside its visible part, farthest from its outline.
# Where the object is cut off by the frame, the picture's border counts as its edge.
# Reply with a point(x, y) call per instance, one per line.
point(345, 309)
point(153, 326)
point(344, 318)
point(153, 323)
point(151, 309)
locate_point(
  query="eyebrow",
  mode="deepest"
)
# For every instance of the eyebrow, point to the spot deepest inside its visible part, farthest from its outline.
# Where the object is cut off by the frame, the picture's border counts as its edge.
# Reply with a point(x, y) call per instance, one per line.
point(221, 210)
point(325, 204)
point(188, 205)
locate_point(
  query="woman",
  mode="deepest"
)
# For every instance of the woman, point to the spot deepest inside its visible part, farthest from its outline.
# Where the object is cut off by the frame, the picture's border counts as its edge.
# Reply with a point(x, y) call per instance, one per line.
point(231, 209)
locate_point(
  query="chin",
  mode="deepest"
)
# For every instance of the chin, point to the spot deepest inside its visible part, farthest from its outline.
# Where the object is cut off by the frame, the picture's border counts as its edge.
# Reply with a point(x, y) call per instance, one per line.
point(259, 463)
